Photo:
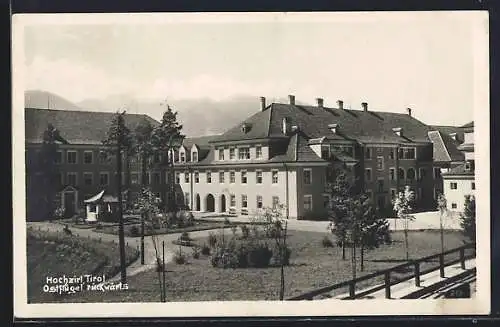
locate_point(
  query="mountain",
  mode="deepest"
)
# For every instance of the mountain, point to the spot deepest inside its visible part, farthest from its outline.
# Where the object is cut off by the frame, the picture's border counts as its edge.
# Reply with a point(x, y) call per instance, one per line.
point(47, 100)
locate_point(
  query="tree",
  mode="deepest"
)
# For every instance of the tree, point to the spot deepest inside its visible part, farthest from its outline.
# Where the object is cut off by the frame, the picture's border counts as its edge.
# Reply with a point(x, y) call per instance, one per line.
point(117, 142)
point(443, 208)
point(164, 138)
point(468, 218)
point(144, 149)
point(403, 206)
point(49, 169)
point(340, 210)
point(372, 230)
point(149, 207)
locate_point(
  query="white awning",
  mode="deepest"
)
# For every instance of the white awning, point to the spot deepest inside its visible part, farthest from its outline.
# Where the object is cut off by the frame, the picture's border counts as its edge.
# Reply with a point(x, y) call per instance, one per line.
point(95, 197)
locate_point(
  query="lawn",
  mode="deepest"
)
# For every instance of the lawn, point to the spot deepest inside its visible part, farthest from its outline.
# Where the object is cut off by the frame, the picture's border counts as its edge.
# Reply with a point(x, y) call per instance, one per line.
point(312, 266)
point(51, 254)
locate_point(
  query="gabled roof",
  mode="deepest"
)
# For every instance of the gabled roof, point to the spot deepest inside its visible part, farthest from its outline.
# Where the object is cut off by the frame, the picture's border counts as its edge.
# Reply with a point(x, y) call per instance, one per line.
point(444, 147)
point(77, 127)
point(370, 126)
point(203, 144)
point(448, 130)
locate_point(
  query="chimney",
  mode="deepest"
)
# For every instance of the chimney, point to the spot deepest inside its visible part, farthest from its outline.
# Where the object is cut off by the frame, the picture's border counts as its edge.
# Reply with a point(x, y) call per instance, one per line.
point(320, 102)
point(408, 110)
point(291, 99)
point(398, 131)
point(365, 106)
point(340, 104)
point(262, 103)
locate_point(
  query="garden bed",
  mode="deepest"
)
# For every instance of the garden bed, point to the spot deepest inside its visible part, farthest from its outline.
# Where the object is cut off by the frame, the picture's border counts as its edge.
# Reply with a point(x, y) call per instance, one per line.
point(311, 266)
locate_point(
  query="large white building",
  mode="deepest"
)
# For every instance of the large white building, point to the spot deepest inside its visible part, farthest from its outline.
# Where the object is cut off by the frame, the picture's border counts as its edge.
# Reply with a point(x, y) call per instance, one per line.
point(459, 181)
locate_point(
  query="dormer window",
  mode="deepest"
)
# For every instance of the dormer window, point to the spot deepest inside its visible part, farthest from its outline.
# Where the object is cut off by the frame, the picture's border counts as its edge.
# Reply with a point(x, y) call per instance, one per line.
point(333, 128)
point(194, 156)
point(221, 154)
point(398, 131)
point(182, 156)
point(245, 128)
point(285, 127)
point(469, 166)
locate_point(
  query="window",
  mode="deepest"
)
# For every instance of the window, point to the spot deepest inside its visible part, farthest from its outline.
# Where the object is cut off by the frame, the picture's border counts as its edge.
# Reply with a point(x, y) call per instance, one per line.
point(147, 179)
point(134, 179)
point(221, 154)
point(209, 177)
point(72, 179)
point(244, 201)
point(393, 193)
point(71, 157)
point(182, 156)
point(243, 177)
point(437, 172)
point(221, 177)
point(380, 185)
point(453, 205)
point(156, 158)
point(369, 194)
point(232, 177)
point(453, 185)
point(232, 154)
point(307, 176)
point(259, 201)
point(392, 154)
point(103, 178)
point(307, 202)
point(258, 177)
point(232, 200)
point(401, 173)
point(380, 163)
point(368, 174)
point(325, 153)
point(274, 174)
point(194, 156)
point(103, 157)
point(88, 179)
point(473, 185)
point(156, 178)
point(186, 177)
point(406, 153)
point(410, 175)
point(186, 199)
point(243, 153)
point(196, 177)
point(276, 202)
point(326, 201)
point(258, 151)
point(177, 178)
point(392, 173)
point(368, 153)
point(58, 159)
point(421, 173)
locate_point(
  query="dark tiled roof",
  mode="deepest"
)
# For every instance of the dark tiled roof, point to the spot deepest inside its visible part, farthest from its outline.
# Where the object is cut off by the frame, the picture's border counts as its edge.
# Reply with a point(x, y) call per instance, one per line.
point(450, 130)
point(369, 126)
point(444, 147)
point(77, 127)
point(203, 144)
point(459, 171)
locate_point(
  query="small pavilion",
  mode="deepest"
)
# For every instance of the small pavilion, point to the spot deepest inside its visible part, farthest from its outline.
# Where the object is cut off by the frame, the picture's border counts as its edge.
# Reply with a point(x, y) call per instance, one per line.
point(100, 204)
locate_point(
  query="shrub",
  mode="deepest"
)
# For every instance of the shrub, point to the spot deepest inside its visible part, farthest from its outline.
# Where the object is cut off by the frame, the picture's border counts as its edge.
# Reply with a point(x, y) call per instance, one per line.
point(233, 230)
point(212, 239)
point(315, 215)
point(259, 255)
point(285, 253)
point(180, 258)
point(227, 221)
point(242, 255)
point(205, 249)
point(98, 226)
point(245, 231)
point(59, 213)
point(134, 231)
point(184, 236)
point(327, 242)
point(196, 252)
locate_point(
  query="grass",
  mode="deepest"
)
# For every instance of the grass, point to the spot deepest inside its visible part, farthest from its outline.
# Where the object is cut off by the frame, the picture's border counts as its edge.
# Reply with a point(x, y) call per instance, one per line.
point(53, 254)
point(312, 266)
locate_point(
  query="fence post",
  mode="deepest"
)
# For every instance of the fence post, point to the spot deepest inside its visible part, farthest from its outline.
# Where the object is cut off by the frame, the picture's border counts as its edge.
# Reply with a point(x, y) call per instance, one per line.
point(387, 283)
point(417, 274)
point(352, 289)
point(462, 258)
point(441, 265)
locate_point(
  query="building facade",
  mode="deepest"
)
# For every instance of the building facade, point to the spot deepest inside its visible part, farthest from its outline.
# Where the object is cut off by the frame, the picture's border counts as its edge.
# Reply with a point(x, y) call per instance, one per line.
point(459, 181)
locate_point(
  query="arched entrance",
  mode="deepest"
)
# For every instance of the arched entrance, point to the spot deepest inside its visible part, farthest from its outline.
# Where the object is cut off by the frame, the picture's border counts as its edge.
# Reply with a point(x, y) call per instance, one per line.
point(197, 205)
point(210, 205)
point(222, 203)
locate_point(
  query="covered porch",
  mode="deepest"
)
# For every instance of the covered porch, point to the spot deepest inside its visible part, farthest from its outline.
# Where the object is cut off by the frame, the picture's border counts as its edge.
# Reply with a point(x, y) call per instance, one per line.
point(100, 206)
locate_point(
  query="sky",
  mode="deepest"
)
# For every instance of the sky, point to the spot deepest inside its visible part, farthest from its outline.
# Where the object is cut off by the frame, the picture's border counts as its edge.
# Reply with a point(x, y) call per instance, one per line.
point(424, 61)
